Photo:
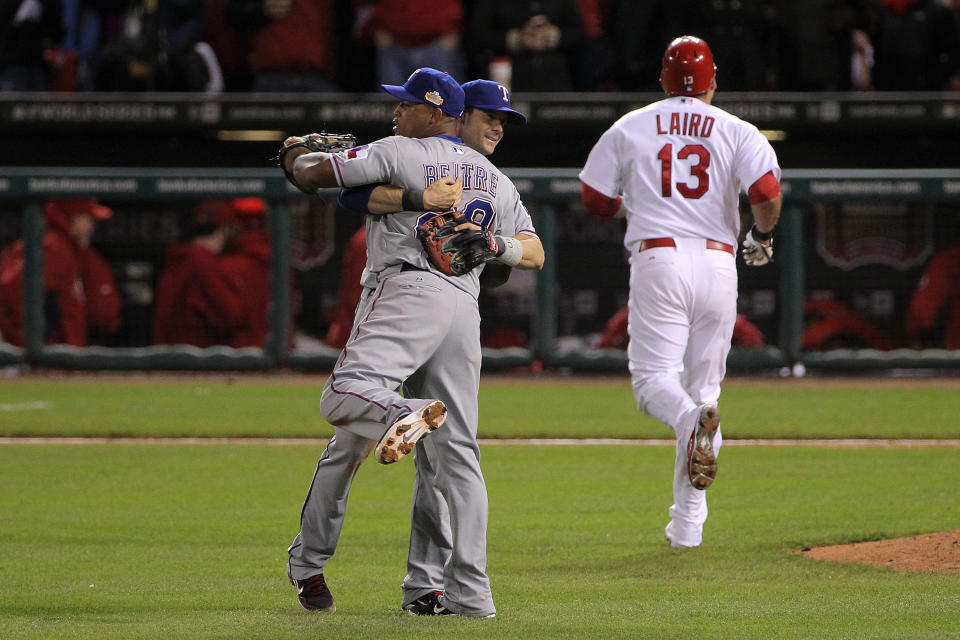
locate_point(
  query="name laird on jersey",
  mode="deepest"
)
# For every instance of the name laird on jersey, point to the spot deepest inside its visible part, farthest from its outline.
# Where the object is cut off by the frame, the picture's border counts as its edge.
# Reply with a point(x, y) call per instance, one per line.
point(474, 176)
point(689, 124)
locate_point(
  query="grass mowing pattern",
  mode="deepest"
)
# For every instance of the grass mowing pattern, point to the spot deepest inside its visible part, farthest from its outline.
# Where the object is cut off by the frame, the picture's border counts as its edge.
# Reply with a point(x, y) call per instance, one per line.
point(176, 541)
point(508, 409)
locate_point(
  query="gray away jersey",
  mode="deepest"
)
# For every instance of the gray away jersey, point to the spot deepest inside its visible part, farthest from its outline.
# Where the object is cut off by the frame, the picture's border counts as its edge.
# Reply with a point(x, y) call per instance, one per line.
point(489, 198)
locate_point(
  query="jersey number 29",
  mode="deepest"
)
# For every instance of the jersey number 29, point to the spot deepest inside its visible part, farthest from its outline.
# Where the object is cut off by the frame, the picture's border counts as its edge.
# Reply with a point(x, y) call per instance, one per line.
point(698, 171)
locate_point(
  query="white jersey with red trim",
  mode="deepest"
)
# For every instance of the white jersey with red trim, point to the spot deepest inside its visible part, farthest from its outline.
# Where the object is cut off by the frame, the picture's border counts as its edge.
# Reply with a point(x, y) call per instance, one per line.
point(681, 165)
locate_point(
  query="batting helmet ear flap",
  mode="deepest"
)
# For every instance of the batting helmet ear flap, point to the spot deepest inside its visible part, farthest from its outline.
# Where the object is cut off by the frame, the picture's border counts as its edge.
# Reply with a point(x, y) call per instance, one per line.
point(688, 68)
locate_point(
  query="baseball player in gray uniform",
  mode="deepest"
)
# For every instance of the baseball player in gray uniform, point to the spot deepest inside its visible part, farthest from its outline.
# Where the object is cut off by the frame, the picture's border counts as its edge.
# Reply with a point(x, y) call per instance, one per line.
point(415, 329)
point(488, 109)
point(680, 165)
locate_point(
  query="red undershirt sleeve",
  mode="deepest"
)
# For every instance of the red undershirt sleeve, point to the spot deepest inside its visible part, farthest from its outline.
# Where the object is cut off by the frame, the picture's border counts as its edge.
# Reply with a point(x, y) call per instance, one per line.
point(766, 188)
point(598, 204)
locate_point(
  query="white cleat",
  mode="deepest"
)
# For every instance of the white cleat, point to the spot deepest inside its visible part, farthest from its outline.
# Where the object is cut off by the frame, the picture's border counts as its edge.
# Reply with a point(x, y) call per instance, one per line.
point(400, 438)
point(701, 458)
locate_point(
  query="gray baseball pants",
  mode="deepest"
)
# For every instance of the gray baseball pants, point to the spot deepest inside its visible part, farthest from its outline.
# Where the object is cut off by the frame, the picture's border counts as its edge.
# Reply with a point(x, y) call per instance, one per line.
point(414, 326)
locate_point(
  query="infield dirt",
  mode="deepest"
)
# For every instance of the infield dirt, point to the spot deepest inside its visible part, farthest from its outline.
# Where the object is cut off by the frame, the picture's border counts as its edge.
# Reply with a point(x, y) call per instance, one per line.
point(933, 552)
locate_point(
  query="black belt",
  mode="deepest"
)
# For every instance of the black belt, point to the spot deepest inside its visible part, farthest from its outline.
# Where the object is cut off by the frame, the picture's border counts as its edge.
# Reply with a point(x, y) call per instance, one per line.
point(409, 267)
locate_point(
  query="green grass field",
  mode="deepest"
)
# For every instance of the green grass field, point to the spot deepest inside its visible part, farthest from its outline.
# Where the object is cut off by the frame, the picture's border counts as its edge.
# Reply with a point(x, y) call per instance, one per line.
point(188, 541)
point(509, 408)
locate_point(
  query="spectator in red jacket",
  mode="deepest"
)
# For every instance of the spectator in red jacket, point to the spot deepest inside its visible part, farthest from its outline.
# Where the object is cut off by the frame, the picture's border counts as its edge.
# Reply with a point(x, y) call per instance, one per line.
point(80, 291)
point(409, 34)
point(293, 45)
point(196, 302)
point(938, 290)
point(247, 264)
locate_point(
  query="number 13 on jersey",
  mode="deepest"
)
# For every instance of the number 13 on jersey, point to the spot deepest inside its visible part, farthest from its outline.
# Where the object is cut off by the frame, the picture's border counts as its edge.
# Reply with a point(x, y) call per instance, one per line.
point(699, 182)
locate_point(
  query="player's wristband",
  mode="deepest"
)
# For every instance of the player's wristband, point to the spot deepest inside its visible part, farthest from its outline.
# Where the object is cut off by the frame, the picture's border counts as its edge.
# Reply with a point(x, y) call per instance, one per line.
point(357, 198)
point(512, 252)
point(760, 236)
point(412, 200)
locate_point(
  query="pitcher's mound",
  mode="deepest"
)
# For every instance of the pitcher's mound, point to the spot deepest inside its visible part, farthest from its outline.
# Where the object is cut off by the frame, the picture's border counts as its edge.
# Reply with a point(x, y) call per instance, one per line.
point(939, 552)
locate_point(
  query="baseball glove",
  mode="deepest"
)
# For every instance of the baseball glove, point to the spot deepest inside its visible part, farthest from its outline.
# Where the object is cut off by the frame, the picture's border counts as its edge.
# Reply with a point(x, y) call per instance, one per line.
point(453, 252)
point(327, 142)
point(434, 233)
point(471, 248)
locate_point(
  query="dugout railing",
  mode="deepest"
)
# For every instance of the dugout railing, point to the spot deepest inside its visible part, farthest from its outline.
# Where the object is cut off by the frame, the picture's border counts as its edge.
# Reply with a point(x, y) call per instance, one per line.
point(546, 191)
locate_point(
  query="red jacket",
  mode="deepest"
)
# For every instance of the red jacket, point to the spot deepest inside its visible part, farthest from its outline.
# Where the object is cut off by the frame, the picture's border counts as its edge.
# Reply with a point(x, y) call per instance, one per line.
point(939, 288)
point(196, 303)
point(81, 293)
point(103, 301)
point(300, 42)
point(248, 267)
point(413, 23)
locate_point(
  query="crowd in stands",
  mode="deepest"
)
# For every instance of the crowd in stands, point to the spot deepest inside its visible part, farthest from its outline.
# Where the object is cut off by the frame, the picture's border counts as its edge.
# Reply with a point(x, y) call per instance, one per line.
point(533, 45)
point(214, 288)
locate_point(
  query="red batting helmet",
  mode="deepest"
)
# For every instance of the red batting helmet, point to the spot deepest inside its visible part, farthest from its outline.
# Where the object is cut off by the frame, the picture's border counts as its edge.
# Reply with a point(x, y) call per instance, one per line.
point(687, 68)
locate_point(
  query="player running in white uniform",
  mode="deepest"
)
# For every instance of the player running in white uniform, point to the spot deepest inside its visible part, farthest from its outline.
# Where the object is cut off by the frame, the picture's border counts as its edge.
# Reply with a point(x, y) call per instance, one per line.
point(680, 165)
point(415, 328)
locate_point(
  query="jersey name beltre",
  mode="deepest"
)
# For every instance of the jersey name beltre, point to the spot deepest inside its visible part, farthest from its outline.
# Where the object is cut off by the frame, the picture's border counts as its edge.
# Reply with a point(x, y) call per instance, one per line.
point(475, 177)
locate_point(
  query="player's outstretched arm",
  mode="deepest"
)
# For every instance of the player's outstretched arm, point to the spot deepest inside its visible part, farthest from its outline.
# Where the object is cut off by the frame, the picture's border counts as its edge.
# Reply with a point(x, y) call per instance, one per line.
point(311, 170)
point(306, 160)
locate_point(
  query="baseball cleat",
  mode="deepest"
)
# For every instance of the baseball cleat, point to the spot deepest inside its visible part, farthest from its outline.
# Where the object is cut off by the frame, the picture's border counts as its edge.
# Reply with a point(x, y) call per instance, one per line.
point(434, 608)
point(423, 606)
point(313, 593)
point(701, 459)
point(400, 438)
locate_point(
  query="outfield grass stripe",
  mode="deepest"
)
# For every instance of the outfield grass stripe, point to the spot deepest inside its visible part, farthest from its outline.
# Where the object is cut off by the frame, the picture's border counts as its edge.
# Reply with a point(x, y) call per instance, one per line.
point(769, 442)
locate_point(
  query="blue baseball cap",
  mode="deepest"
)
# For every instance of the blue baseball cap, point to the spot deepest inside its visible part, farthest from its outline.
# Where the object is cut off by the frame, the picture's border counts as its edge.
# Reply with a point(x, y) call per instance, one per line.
point(432, 87)
point(490, 96)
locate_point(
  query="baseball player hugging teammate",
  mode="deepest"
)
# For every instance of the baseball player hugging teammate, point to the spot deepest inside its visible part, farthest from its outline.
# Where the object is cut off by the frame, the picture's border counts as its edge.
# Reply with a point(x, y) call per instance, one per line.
point(411, 366)
point(677, 167)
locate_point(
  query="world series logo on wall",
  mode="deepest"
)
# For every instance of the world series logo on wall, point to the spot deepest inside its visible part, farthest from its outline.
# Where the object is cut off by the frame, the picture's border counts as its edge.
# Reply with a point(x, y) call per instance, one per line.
point(854, 234)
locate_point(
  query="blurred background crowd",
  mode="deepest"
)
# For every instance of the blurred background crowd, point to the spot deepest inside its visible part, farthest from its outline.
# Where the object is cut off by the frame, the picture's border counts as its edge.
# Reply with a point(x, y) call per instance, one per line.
point(199, 273)
point(533, 45)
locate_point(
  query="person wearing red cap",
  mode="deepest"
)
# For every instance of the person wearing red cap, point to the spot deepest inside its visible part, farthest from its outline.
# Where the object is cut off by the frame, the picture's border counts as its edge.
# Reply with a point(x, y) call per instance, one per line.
point(80, 291)
point(247, 263)
point(677, 168)
point(196, 302)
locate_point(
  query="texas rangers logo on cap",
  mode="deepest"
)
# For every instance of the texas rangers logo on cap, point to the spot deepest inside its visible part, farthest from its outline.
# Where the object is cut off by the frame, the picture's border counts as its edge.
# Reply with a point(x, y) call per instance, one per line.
point(490, 96)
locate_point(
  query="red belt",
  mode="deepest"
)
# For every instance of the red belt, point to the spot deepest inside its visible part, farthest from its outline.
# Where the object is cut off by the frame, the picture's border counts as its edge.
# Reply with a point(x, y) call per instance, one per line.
point(653, 243)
